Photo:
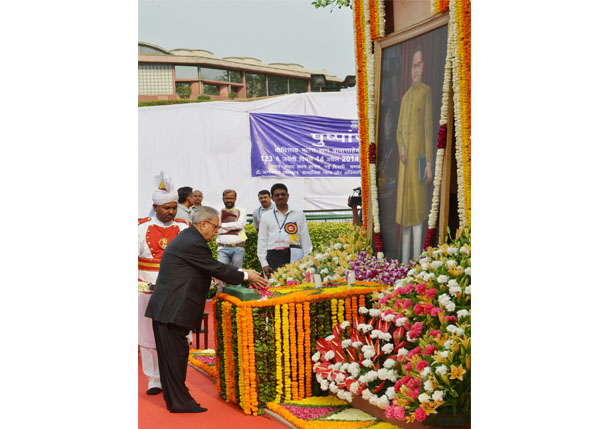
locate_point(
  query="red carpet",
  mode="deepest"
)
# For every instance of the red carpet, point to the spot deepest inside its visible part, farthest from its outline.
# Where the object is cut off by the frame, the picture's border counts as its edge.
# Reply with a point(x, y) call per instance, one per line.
point(153, 414)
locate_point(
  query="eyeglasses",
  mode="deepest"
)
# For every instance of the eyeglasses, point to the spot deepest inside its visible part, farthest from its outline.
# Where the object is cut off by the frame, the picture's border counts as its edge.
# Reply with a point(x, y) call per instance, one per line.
point(215, 226)
point(283, 194)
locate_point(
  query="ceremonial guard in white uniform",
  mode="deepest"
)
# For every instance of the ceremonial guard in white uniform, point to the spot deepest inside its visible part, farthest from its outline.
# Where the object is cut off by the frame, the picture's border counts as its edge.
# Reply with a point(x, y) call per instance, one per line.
point(154, 234)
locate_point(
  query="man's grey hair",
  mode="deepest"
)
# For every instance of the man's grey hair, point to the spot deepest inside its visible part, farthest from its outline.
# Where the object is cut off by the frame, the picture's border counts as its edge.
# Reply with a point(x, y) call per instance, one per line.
point(204, 213)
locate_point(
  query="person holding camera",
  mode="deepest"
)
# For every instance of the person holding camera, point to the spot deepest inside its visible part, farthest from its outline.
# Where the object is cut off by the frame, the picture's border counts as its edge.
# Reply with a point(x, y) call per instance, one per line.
point(354, 201)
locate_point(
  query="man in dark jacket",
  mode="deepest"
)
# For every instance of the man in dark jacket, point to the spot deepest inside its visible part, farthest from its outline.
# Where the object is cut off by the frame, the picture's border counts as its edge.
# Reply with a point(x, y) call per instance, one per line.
point(177, 303)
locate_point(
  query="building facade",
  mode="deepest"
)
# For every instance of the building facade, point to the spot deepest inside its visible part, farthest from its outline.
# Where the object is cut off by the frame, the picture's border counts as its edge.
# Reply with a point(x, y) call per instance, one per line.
point(161, 72)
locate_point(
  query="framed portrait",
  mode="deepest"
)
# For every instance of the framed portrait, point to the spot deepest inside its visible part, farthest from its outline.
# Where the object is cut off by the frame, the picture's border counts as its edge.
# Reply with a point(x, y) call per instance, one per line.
point(409, 81)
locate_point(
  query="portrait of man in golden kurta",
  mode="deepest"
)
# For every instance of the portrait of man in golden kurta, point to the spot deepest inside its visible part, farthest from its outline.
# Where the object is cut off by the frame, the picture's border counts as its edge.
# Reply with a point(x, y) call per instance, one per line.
point(415, 168)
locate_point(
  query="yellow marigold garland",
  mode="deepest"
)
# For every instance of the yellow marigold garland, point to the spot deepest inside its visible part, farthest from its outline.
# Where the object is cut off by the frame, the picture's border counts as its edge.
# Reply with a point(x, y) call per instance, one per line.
point(334, 320)
point(340, 315)
point(278, 355)
point(253, 391)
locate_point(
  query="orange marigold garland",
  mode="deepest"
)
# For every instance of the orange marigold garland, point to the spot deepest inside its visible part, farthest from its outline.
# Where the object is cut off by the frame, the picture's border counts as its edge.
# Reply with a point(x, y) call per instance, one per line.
point(362, 92)
point(285, 329)
point(348, 309)
point(293, 351)
point(241, 353)
point(300, 336)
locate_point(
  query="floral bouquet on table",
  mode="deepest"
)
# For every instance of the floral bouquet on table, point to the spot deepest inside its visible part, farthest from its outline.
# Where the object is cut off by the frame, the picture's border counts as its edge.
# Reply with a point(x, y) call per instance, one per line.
point(370, 268)
point(331, 261)
point(411, 354)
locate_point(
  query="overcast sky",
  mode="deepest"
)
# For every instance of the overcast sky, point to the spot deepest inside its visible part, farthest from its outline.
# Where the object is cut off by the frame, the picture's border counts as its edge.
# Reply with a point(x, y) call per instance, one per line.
point(287, 31)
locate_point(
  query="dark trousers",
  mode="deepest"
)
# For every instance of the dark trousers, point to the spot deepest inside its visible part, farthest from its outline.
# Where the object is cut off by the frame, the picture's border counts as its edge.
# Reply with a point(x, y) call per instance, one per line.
point(173, 349)
point(277, 258)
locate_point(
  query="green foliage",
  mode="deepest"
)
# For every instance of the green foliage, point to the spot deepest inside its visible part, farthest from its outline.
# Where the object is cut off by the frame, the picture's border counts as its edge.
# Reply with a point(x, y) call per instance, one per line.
point(333, 3)
point(232, 95)
point(184, 91)
point(321, 233)
point(204, 98)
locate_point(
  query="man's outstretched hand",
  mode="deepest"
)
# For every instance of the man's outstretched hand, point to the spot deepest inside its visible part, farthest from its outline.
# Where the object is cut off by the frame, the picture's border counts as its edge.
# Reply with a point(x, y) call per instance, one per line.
point(256, 278)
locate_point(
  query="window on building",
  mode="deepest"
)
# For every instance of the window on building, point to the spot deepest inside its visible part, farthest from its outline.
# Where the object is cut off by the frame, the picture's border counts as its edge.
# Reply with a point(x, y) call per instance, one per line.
point(256, 85)
point(332, 87)
point(155, 79)
point(214, 74)
point(146, 50)
point(298, 86)
point(235, 76)
point(277, 85)
point(186, 72)
point(210, 89)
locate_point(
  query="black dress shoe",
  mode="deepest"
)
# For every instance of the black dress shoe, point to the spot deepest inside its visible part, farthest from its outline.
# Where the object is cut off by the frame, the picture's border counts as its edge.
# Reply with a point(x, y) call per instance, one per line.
point(153, 391)
point(195, 409)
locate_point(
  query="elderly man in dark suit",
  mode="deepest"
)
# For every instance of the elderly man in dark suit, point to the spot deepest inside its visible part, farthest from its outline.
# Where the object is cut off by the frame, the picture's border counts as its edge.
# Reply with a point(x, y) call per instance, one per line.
point(177, 303)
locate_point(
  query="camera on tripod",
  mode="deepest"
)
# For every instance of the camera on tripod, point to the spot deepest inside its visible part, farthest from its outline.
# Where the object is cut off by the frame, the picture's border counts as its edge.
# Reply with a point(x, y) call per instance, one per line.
point(355, 198)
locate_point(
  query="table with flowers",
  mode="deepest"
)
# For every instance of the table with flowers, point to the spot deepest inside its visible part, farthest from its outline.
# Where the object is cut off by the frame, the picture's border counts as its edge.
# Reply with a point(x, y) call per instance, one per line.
point(264, 347)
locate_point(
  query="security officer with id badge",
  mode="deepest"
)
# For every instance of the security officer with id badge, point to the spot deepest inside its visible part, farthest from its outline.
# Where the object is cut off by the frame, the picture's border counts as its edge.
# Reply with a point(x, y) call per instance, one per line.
point(283, 233)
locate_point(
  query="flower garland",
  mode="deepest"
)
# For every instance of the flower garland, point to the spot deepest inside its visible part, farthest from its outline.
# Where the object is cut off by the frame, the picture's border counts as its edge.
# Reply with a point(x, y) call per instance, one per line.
point(228, 350)
point(457, 73)
point(334, 319)
point(278, 354)
point(463, 21)
point(348, 309)
point(293, 350)
point(300, 350)
point(241, 353)
point(369, 25)
point(439, 6)
point(362, 93)
point(217, 333)
point(285, 322)
point(252, 387)
point(307, 350)
point(340, 310)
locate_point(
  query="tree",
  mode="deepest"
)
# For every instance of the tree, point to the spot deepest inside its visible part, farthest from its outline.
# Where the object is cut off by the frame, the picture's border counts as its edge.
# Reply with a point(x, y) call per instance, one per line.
point(184, 91)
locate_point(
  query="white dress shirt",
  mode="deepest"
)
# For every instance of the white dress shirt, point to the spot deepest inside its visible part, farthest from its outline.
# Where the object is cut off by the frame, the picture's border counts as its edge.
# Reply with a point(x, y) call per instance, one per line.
point(276, 230)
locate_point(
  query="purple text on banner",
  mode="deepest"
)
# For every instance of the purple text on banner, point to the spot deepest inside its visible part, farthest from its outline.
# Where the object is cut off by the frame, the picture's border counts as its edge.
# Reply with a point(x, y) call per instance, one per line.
point(304, 146)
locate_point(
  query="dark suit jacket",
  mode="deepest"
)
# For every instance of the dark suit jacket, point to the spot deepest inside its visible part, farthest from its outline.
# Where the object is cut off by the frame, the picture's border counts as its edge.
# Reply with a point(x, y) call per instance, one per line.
point(184, 278)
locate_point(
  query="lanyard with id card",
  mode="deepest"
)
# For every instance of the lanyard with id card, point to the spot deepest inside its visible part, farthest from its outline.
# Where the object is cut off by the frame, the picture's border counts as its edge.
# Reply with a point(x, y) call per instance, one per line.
point(281, 243)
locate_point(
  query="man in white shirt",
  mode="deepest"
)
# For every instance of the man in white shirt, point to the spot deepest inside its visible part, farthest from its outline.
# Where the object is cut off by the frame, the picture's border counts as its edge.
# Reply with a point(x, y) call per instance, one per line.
point(185, 202)
point(231, 237)
point(264, 198)
point(283, 233)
